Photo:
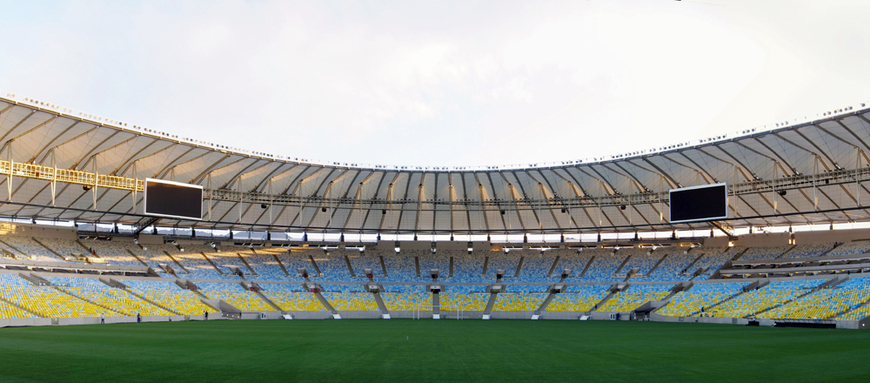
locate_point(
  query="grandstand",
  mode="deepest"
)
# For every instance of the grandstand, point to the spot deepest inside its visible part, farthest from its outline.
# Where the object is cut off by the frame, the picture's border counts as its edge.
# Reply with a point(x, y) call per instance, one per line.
point(281, 237)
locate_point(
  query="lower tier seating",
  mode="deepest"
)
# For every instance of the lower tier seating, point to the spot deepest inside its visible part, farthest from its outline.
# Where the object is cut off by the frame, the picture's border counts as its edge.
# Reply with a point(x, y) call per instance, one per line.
point(699, 298)
point(634, 297)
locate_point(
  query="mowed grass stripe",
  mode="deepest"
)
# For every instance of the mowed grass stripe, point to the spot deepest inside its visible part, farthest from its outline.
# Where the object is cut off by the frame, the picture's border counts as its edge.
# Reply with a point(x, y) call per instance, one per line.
point(446, 350)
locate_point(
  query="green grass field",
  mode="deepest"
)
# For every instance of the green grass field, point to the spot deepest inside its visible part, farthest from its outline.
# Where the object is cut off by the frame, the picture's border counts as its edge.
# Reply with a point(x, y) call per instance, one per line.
point(443, 351)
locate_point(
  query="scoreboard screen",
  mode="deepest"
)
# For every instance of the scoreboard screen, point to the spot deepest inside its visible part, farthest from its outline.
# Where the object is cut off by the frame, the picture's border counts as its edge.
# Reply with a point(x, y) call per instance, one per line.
point(699, 203)
point(173, 199)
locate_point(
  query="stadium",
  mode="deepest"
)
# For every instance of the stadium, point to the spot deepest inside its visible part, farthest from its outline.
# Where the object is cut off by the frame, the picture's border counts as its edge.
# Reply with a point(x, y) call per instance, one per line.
point(139, 253)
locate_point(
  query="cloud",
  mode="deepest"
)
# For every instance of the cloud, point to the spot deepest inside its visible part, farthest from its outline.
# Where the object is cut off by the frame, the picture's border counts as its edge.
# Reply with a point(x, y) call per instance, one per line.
point(440, 83)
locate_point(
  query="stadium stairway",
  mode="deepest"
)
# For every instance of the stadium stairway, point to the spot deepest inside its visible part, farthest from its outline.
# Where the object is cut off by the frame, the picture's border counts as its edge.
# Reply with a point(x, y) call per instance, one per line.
point(436, 305)
point(493, 296)
point(325, 303)
point(315, 289)
point(376, 293)
point(449, 275)
point(180, 267)
point(215, 304)
point(552, 290)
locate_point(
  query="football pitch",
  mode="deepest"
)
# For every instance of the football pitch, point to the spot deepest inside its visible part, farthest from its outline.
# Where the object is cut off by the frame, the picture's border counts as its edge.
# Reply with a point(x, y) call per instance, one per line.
point(430, 351)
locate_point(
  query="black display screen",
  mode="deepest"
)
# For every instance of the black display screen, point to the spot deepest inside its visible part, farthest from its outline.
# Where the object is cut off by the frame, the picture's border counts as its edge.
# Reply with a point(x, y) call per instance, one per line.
point(699, 203)
point(173, 199)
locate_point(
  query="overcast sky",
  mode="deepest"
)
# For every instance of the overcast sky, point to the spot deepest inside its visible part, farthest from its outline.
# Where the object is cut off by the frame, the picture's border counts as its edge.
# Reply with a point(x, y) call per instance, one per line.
point(445, 82)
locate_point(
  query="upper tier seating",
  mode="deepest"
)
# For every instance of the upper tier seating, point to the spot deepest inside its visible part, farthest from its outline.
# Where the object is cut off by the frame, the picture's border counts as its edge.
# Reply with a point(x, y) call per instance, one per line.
point(850, 248)
point(603, 268)
point(713, 259)
point(224, 257)
point(64, 247)
point(31, 248)
point(536, 266)
point(401, 268)
point(293, 261)
point(809, 250)
point(469, 268)
point(571, 259)
point(676, 262)
point(155, 255)
point(265, 266)
point(439, 260)
point(509, 262)
point(370, 259)
point(115, 253)
point(333, 265)
point(763, 253)
point(641, 259)
point(198, 266)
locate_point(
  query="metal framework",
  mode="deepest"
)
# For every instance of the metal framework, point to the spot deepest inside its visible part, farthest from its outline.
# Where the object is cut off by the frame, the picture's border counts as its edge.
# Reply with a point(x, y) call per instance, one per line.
point(803, 173)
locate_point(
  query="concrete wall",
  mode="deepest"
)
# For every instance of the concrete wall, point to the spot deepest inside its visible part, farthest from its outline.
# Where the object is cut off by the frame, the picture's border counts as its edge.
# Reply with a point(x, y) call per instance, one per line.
point(481, 246)
point(451, 245)
point(44, 231)
point(716, 242)
point(150, 239)
point(415, 245)
point(560, 315)
point(764, 239)
point(805, 237)
point(18, 322)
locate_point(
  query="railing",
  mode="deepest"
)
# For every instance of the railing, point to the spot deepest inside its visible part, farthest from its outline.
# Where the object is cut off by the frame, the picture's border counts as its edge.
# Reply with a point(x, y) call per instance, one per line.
point(71, 176)
point(80, 177)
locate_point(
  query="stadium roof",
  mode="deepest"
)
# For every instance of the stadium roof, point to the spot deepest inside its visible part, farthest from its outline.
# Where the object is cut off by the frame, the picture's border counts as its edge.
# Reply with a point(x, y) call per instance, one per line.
point(795, 173)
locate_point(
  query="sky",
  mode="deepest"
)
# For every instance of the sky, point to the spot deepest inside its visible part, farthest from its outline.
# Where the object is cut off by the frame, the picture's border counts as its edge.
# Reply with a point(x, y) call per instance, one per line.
point(441, 83)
